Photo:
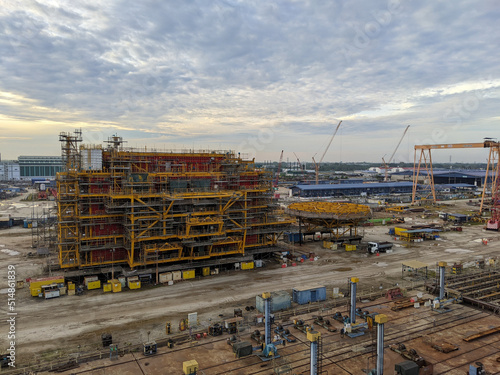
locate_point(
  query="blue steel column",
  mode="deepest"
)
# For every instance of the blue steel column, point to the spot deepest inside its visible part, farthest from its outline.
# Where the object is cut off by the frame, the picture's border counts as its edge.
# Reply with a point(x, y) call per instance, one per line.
point(380, 349)
point(314, 357)
point(380, 320)
point(267, 317)
point(354, 281)
point(442, 268)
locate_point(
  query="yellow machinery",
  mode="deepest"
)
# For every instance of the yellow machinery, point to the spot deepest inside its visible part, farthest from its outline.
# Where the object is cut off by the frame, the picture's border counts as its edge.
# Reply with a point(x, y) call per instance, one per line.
point(133, 282)
point(37, 284)
point(190, 367)
point(247, 265)
point(188, 274)
point(116, 285)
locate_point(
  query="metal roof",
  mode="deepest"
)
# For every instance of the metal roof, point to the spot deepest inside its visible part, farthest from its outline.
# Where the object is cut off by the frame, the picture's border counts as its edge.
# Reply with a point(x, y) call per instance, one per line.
point(307, 287)
point(370, 185)
point(424, 230)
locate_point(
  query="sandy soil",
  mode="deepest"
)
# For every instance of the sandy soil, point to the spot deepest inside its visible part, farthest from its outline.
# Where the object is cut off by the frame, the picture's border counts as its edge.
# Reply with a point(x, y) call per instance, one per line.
point(52, 328)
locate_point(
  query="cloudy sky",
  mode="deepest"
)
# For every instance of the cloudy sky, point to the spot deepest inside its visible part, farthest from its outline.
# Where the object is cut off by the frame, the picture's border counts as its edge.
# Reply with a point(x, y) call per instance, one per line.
point(254, 76)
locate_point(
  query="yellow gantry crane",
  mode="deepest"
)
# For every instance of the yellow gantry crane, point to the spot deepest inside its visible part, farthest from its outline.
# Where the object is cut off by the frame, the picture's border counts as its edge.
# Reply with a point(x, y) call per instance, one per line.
point(316, 165)
point(425, 162)
point(386, 164)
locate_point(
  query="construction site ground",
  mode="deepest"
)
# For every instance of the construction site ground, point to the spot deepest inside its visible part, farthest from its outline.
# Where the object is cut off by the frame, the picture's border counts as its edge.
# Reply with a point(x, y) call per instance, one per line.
point(71, 326)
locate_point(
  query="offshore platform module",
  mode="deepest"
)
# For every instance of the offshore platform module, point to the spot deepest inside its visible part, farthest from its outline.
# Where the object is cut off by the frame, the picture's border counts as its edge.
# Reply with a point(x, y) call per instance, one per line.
point(133, 207)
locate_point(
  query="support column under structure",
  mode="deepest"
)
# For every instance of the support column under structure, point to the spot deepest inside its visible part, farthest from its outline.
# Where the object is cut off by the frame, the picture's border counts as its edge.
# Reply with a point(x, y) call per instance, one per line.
point(352, 317)
point(442, 268)
point(380, 320)
point(267, 317)
point(314, 337)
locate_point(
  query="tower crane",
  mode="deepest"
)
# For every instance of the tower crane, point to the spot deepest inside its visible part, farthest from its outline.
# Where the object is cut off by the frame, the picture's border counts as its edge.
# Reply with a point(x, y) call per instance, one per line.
point(279, 170)
point(386, 164)
point(316, 165)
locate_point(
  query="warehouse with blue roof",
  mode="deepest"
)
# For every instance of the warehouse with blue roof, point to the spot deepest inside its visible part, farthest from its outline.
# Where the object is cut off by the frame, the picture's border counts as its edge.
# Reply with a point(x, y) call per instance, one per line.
point(341, 190)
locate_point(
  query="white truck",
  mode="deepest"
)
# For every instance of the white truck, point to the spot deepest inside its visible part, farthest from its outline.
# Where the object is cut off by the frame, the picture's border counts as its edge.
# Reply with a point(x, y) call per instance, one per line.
point(379, 247)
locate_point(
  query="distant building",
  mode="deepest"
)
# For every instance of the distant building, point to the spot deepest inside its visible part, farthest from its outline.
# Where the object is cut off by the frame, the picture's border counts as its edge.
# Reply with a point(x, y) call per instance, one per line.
point(9, 170)
point(453, 176)
point(39, 167)
point(355, 189)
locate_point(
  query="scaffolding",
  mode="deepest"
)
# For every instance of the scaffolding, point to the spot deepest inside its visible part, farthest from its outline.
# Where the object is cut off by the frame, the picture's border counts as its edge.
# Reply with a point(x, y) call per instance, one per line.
point(141, 208)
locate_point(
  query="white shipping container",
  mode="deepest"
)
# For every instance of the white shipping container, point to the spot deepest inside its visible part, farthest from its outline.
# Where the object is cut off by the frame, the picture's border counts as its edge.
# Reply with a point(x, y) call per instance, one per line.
point(165, 277)
point(176, 275)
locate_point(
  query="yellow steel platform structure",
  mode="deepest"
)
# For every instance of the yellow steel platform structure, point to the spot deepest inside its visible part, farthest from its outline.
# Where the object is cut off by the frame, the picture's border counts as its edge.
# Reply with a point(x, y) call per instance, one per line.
point(143, 207)
point(338, 218)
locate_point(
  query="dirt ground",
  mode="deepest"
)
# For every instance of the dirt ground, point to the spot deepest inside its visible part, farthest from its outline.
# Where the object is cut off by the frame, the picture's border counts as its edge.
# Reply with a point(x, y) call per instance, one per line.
point(50, 329)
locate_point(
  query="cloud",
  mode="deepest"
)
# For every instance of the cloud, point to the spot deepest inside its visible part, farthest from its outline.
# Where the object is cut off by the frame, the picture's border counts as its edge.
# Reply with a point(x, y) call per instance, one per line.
point(230, 72)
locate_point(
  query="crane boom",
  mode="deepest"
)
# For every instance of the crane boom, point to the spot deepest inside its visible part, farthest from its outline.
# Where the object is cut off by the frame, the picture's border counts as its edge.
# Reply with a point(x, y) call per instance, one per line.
point(279, 169)
point(399, 143)
point(386, 164)
point(329, 143)
point(316, 165)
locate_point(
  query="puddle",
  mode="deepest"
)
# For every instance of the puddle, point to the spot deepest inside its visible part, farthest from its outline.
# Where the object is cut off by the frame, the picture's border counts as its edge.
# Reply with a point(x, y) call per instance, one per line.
point(10, 252)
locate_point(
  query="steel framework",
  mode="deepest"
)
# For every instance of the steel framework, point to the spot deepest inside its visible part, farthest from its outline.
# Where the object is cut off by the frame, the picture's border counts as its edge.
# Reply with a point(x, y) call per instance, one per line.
point(143, 207)
point(425, 162)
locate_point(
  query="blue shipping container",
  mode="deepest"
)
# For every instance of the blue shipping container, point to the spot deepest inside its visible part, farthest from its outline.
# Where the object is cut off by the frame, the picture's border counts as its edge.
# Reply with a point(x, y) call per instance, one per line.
point(293, 236)
point(304, 295)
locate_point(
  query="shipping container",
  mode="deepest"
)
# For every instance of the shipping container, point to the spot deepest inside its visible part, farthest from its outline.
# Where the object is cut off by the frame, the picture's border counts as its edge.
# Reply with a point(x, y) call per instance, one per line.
point(176, 275)
point(293, 237)
point(281, 301)
point(62, 291)
point(93, 285)
point(165, 277)
point(304, 295)
point(242, 349)
point(107, 287)
point(71, 286)
point(247, 265)
point(188, 274)
point(71, 292)
point(206, 271)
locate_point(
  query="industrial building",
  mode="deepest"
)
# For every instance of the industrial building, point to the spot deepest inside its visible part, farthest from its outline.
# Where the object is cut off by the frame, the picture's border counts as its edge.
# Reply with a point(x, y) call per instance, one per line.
point(9, 170)
point(356, 189)
point(41, 167)
point(469, 177)
point(141, 208)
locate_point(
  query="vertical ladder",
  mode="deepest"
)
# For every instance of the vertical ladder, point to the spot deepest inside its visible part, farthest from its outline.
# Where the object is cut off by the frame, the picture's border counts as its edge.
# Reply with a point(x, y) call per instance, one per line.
point(319, 360)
